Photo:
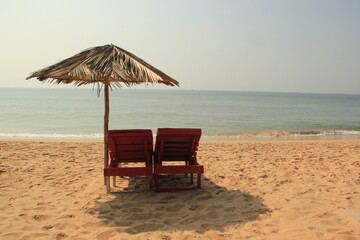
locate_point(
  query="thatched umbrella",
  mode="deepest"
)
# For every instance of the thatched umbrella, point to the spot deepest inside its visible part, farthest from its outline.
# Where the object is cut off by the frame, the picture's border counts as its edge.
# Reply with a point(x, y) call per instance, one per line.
point(106, 66)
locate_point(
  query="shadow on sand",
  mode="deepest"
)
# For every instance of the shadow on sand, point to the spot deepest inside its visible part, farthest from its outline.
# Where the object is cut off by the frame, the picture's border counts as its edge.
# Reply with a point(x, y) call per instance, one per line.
point(213, 207)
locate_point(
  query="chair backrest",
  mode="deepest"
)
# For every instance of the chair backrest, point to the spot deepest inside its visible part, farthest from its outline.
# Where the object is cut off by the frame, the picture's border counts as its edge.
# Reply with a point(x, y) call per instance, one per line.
point(133, 145)
point(177, 144)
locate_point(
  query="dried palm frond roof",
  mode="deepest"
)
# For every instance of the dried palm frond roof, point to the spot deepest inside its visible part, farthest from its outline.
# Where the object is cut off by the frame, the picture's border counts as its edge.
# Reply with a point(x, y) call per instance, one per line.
point(107, 63)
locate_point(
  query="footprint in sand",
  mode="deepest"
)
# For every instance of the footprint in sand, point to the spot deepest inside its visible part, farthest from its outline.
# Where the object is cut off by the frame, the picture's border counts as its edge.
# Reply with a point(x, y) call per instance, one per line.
point(41, 217)
point(47, 227)
point(66, 226)
point(194, 207)
point(59, 236)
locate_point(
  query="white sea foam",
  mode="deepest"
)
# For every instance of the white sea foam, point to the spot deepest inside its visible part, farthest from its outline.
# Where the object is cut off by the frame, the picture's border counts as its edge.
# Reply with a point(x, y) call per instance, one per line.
point(347, 132)
point(325, 133)
point(334, 134)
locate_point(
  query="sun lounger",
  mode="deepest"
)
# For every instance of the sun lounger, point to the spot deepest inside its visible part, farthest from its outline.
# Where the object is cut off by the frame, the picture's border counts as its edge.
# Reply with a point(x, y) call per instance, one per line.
point(177, 145)
point(129, 146)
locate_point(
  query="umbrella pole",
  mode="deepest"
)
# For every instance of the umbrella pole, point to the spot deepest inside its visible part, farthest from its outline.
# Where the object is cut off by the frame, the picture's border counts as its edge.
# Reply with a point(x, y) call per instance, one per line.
point(106, 128)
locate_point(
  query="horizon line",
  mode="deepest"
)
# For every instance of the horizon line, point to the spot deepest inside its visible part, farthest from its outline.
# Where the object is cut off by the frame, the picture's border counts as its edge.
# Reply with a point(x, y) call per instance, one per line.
point(178, 89)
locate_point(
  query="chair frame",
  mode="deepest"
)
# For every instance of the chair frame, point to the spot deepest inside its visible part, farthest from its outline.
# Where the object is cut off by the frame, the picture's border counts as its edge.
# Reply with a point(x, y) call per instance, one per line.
point(177, 137)
point(131, 140)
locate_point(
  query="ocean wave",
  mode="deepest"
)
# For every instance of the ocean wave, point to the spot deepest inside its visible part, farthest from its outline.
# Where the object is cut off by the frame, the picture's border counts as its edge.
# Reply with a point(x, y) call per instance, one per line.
point(332, 132)
point(335, 134)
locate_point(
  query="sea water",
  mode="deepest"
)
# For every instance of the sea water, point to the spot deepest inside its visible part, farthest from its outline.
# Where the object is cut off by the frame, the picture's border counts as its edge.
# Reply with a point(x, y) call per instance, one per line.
point(79, 112)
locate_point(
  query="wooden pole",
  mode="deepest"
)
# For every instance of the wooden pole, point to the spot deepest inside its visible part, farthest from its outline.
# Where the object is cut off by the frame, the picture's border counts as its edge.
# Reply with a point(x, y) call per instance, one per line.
point(106, 126)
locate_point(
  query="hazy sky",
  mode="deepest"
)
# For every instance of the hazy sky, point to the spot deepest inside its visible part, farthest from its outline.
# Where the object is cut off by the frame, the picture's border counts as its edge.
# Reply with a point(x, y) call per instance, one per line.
point(285, 46)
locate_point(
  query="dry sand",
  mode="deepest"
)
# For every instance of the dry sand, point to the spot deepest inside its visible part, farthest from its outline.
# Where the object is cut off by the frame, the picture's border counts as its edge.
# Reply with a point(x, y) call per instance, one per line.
point(251, 190)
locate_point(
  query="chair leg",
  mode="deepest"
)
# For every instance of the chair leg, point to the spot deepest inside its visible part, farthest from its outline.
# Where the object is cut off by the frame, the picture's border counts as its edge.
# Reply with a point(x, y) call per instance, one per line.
point(156, 180)
point(114, 181)
point(107, 180)
point(191, 178)
point(151, 183)
point(199, 180)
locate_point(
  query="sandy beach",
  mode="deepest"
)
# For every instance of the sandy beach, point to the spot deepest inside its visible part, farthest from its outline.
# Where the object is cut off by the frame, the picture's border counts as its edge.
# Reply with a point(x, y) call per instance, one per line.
point(251, 190)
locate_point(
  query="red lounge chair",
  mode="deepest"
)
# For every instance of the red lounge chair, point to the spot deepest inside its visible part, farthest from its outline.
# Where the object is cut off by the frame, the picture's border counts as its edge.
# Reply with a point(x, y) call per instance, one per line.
point(129, 146)
point(173, 145)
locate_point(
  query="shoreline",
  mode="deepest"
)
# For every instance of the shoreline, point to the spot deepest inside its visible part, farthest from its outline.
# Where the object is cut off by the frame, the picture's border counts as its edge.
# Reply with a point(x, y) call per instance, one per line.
point(244, 137)
point(215, 140)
